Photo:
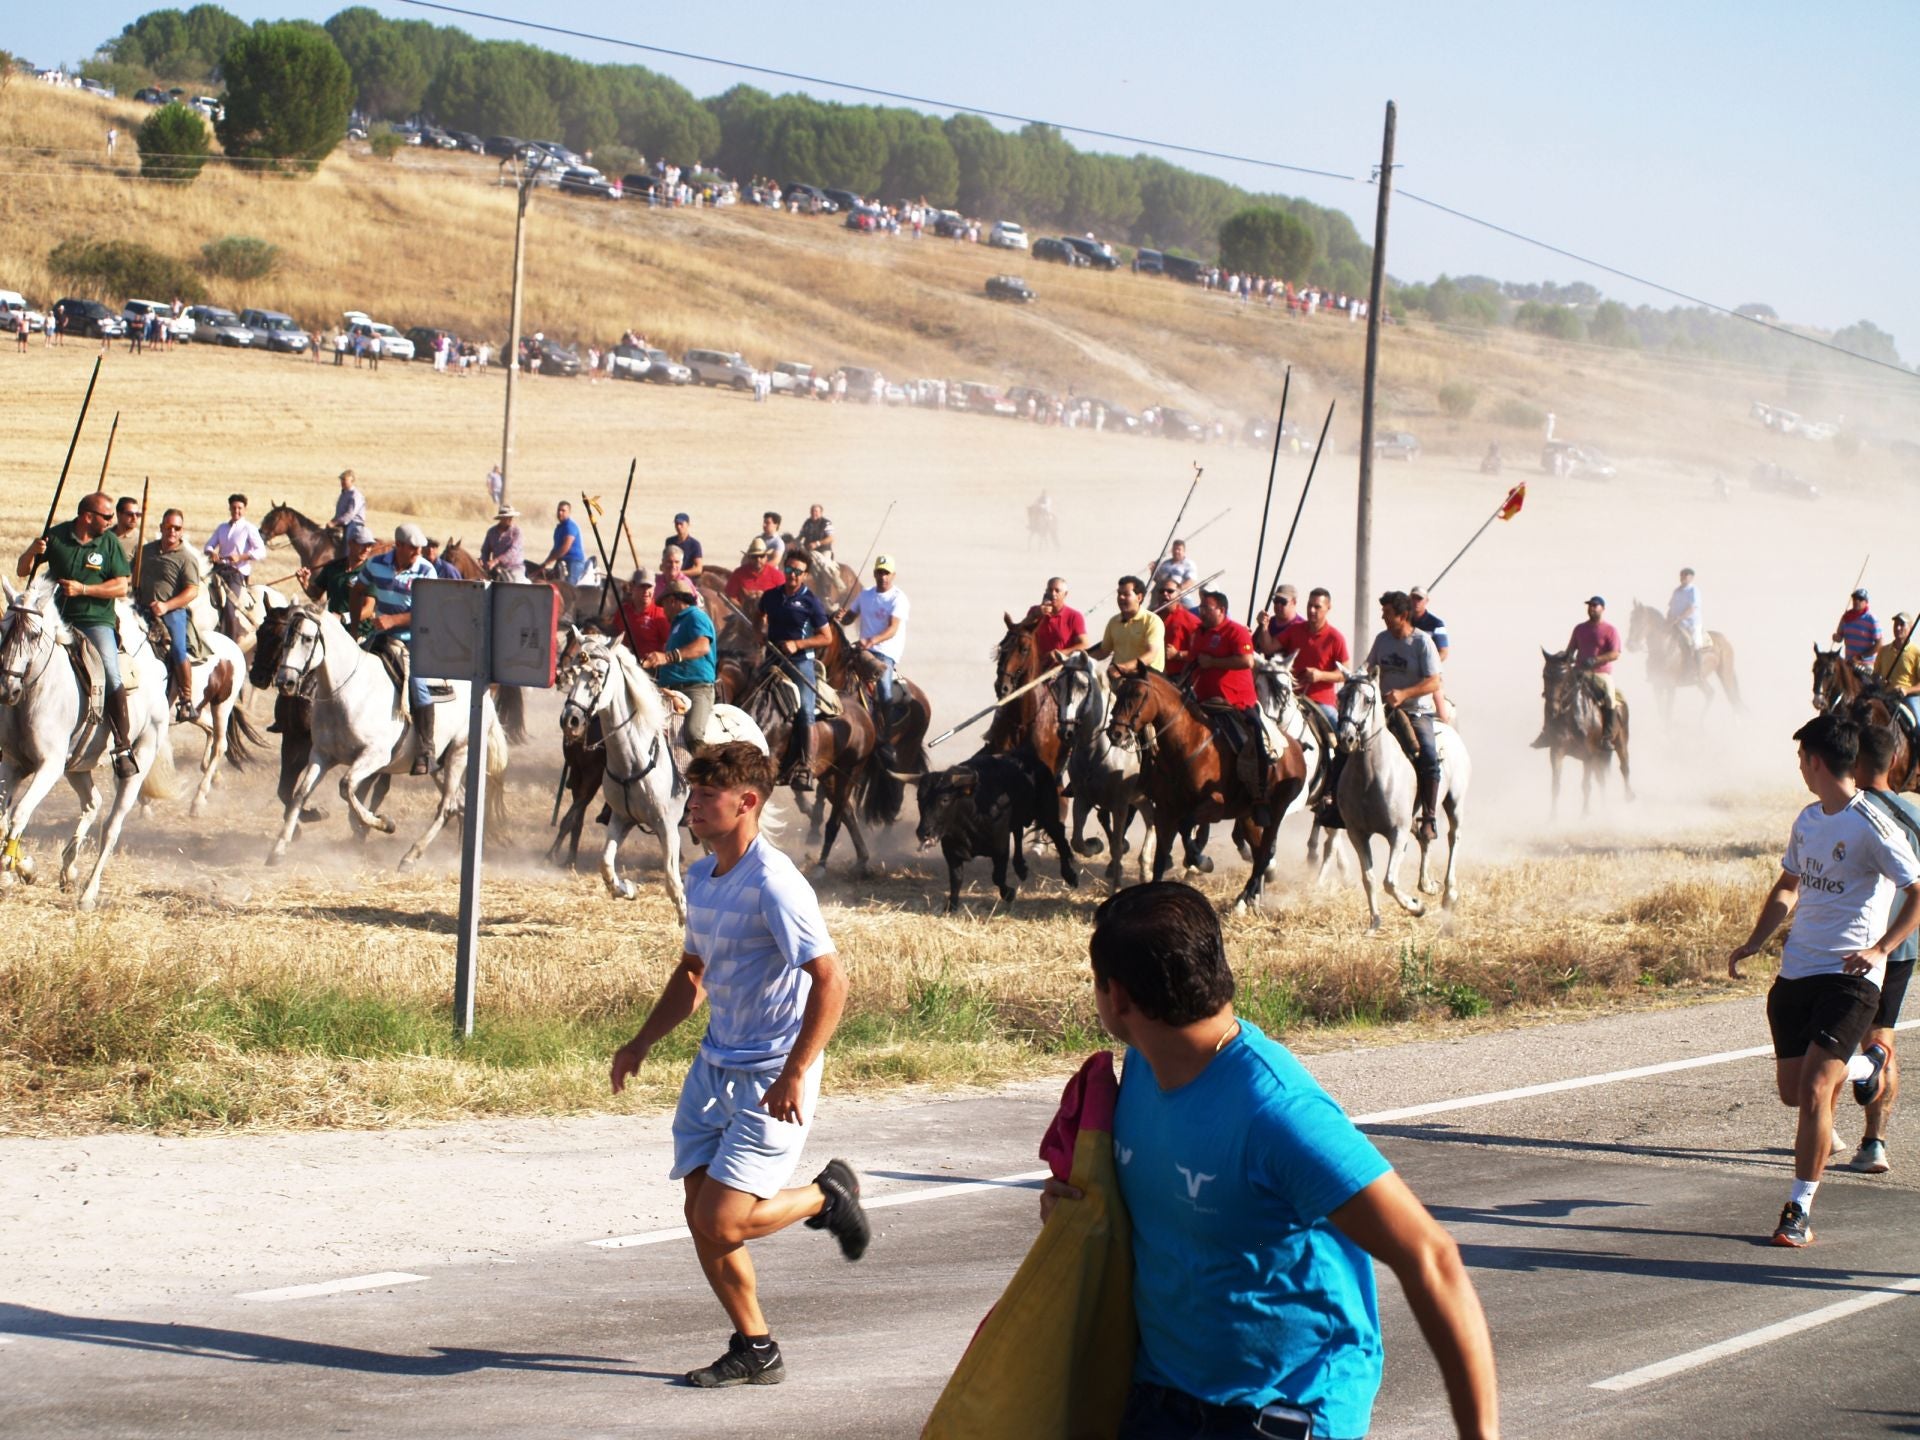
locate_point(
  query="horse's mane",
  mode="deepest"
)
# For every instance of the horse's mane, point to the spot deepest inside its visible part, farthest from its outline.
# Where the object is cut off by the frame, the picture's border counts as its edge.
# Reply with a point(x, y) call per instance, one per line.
point(642, 694)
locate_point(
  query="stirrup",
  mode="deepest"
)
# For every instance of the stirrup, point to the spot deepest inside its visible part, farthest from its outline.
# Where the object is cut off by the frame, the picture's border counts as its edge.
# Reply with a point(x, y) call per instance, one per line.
point(126, 764)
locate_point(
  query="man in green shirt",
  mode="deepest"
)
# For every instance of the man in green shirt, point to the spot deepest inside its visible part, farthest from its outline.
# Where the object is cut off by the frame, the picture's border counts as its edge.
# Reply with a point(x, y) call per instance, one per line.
point(334, 580)
point(90, 573)
point(169, 581)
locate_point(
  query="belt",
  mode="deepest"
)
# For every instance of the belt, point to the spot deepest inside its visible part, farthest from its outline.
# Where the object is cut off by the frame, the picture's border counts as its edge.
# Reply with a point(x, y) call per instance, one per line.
point(1252, 1419)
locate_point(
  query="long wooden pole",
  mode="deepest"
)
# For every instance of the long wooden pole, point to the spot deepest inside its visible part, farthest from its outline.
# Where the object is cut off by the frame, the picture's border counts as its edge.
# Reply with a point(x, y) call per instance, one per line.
point(599, 544)
point(107, 459)
point(60, 488)
point(1167, 544)
point(878, 531)
point(513, 333)
point(140, 540)
point(1273, 469)
point(620, 524)
point(1325, 425)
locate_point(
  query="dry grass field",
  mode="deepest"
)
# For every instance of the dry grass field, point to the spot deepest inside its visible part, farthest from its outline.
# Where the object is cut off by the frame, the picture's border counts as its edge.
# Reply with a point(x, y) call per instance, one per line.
point(213, 992)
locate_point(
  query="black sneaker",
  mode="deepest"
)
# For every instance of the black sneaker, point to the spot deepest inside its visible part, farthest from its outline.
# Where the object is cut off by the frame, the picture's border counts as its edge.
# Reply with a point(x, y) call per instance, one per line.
point(1868, 1090)
point(1795, 1229)
point(842, 1216)
point(743, 1364)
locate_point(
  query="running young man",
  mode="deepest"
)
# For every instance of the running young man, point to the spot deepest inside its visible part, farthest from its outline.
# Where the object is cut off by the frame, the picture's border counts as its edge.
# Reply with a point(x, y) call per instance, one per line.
point(1843, 864)
point(1878, 1092)
point(757, 950)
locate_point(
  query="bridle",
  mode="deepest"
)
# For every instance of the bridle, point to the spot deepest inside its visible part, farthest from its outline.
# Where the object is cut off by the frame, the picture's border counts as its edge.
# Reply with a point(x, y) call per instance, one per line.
point(31, 643)
point(595, 671)
point(1374, 719)
point(306, 678)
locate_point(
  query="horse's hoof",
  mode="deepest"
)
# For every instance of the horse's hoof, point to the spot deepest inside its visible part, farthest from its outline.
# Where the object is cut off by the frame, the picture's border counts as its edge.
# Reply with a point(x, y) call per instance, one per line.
point(406, 864)
point(1072, 877)
point(1451, 899)
point(818, 874)
point(275, 856)
point(1430, 888)
point(1204, 864)
point(626, 890)
point(1374, 928)
point(312, 817)
point(1087, 849)
point(387, 826)
point(1242, 907)
point(1007, 892)
point(87, 902)
point(27, 867)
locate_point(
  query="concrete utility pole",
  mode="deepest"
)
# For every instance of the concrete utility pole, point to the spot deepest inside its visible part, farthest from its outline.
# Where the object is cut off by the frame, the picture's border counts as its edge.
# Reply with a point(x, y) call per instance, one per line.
point(1363, 597)
point(513, 331)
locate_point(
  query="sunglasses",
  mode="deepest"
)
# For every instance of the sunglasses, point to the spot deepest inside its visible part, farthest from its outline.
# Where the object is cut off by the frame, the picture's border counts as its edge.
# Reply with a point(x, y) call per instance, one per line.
point(101, 514)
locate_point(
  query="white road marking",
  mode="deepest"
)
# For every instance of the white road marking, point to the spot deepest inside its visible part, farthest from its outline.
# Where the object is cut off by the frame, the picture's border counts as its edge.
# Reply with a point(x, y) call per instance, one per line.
point(940, 1191)
point(1753, 1339)
point(1579, 1082)
point(334, 1287)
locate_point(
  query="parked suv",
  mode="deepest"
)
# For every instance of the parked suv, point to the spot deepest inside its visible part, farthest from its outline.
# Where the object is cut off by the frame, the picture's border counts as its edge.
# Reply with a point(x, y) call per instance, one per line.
point(1009, 287)
point(583, 180)
point(180, 325)
point(274, 331)
point(663, 369)
point(1094, 252)
point(91, 318)
point(214, 326)
point(1057, 251)
point(845, 199)
point(1006, 235)
point(720, 367)
point(812, 199)
point(393, 345)
point(628, 362)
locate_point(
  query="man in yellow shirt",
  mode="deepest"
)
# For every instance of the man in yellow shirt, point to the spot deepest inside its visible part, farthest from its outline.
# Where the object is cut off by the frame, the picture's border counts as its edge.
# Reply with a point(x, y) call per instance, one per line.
point(1898, 664)
point(1136, 633)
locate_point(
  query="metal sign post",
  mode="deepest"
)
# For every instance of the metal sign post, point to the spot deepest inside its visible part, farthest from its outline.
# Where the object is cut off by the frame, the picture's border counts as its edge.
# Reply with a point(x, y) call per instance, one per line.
point(485, 634)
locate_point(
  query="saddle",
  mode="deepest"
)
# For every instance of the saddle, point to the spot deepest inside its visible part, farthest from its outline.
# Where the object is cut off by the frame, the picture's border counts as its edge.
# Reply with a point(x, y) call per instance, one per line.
point(1400, 726)
point(1252, 743)
point(785, 692)
point(393, 654)
point(198, 651)
point(91, 672)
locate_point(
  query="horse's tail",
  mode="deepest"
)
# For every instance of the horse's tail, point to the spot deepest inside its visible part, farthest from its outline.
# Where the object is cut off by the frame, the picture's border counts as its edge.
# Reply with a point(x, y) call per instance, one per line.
point(510, 703)
point(496, 763)
point(1728, 680)
point(162, 781)
point(882, 791)
point(243, 741)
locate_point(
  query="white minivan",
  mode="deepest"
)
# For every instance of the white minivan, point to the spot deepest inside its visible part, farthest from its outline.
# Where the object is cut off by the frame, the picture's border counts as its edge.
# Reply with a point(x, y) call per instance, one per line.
point(1006, 235)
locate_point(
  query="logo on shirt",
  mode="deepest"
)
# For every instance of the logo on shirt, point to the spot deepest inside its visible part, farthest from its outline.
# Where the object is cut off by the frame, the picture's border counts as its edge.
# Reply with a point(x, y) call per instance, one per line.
point(1126, 1154)
point(1839, 851)
point(1194, 1182)
point(95, 560)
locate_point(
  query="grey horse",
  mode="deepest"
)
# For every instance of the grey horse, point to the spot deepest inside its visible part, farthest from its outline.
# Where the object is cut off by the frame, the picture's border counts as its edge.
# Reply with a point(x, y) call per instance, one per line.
point(1280, 701)
point(1376, 792)
point(1105, 778)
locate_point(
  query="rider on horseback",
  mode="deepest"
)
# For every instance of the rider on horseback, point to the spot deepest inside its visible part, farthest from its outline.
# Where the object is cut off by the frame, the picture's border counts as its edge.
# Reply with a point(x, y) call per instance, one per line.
point(1595, 645)
point(1410, 674)
point(1858, 631)
point(1898, 666)
point(793, 623)
point(90, 572)
point(333, 582)
point(1136, 635)
point(882, 610)
point(383, 594)
point(687, 664)
point(1683, 613)
point(816, 532)
point(169, 583)
point(1223, 680)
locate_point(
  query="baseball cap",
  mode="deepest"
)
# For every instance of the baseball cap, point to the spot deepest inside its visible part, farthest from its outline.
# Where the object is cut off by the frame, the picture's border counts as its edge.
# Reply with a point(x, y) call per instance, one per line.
point(682, 590)
point(1860, 594)
point(410, 534)
point(683, 518)
point(1286, 592)
point(1599, 600)
point(358, 534)
point(1418, 592)
point(883, 562)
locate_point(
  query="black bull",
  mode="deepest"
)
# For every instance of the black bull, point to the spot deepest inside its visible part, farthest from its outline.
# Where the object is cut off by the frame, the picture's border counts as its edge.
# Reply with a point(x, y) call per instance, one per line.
point(981, 810)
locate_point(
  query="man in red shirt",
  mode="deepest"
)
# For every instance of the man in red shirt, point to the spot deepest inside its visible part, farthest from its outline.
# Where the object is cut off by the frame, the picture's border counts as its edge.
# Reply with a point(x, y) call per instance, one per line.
point(1181, 624)
point(1062, 629)
point(1223, 682)
point(1595, 645)
point(753, 578)
point(1318, 652)
point(647, 624)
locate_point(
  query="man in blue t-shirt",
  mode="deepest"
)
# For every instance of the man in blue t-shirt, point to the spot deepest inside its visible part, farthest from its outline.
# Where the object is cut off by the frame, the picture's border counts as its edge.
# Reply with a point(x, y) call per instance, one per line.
point(1254, 1205)
point(793, 622)
point(569, 550)
point(692, 552)
point(757, 951)
point(687, 664)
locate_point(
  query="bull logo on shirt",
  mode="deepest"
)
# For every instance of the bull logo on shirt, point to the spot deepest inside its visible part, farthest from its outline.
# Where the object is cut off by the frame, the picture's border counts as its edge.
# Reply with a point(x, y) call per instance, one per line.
point(1194, 1182)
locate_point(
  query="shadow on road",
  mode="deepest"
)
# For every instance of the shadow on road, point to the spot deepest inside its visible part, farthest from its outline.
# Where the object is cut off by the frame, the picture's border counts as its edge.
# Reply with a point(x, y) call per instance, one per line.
point(1766, 1159)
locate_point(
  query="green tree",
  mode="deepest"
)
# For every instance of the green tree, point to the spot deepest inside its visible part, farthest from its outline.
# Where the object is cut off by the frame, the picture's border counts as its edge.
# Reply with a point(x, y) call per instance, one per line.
point(1557, 322)
point(1609, 324)
point(1103, 195)
point(389, 73)
point(1443, 300)
point(922, 165)
point(173, 144)
point(986, 157)
point(1267, 242)
point(1866, 339)
point(495, 89)
point(289, 94)
point(175, 44)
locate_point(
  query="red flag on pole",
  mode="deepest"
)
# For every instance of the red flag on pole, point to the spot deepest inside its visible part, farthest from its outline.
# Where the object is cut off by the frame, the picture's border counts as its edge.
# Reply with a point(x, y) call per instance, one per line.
point(1516, 497)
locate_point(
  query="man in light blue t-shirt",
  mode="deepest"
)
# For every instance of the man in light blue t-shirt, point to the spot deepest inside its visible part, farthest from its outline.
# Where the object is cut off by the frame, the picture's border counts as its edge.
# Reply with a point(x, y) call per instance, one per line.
point(1255, 1205)
point(757, 950)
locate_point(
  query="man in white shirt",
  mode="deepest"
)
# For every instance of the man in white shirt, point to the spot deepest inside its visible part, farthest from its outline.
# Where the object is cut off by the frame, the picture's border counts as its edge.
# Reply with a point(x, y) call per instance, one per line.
point(757, 950)
point(1177, 568)
point(235, 541)
point(1837, 882)
point(882, 610)
point(1683, 611)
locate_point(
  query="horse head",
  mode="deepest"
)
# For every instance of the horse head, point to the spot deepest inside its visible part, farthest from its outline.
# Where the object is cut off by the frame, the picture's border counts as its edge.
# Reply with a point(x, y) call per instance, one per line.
point(587, 691)
point(268, 641)
point(1273, 683)
point(1072, 690)
point(303, 651)
point(1133, 708)
point(1830, 676)
point(1358, 706)
point(30, 629)
point(1016, 660)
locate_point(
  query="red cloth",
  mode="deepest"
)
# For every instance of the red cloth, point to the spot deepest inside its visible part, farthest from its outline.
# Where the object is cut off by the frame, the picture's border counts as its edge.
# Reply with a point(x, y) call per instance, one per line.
point(745, 590)
point(1595, 637)
point(648, 626)
point(1225, 640)
point(1317, 651)
point(1059, 630)
point(1182, 625)
point(1087, 1103)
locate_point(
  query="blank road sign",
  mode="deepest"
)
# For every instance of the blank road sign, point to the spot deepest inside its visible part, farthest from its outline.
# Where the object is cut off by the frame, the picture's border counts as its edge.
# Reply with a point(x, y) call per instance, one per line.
point(446, 629)
point(526, 623)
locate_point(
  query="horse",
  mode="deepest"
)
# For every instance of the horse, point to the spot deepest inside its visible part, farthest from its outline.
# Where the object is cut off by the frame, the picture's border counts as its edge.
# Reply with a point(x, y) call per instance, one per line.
point(1672, 665)
point(1191, 778)
point(44, 734)
point(214, 699)
point(1377, 787)
point(1574, 727)
point(1032, 723)
point(292, 716)
point(843, 747)
point(1273, 683)
point(1043, 528)
point(358, 723)
point(1104, 778)
point(901, 728)
point(1867, 700)
point(313, 542)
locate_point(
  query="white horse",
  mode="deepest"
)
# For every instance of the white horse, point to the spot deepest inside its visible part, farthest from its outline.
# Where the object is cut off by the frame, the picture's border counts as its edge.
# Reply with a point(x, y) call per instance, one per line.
point(640, 783)
point(1105, 777)
point(1274, 684)
point(358, 724)
point(42, 735)
point(1377, 788)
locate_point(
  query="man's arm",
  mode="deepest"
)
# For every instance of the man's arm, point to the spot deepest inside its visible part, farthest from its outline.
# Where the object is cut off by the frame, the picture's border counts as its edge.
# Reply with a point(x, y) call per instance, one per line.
point(1388, 1221)
point(256, 548)
point(1904, 921)
point(1773, 914)
point(825, 1001)
point(186, 595)
point(679, 998)
point(27, 556)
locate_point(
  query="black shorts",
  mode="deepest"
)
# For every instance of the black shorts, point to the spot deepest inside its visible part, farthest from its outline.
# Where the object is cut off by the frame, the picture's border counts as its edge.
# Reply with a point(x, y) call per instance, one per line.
point(1831, 1011)
point(1893, 990)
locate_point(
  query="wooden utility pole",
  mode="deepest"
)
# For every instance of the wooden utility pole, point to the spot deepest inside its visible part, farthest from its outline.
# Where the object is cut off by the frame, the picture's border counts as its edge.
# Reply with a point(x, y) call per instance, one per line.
point(1363, 600)
point(513, 330)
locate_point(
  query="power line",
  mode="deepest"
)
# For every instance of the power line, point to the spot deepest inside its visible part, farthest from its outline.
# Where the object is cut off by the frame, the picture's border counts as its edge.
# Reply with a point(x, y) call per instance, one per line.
point(875, 91)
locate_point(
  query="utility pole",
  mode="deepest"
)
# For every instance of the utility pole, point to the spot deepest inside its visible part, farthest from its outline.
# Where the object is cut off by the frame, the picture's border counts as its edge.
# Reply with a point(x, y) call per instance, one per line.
point(513, 330)
point(1363, 525)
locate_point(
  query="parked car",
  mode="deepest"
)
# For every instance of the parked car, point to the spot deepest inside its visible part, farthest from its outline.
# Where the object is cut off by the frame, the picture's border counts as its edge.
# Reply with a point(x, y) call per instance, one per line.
point(12, 302)
point(1006, 235)
point(92, 319)
point(135, 312)
point(424, 337)
point(1778, 480)
point(393, 345)
point(585, 180)
point(843, 199)
point(507, 147)
point(274, 331)
point(561, 154)
point(1058, 251)
point(663, 369)
point(980, 398)
point(1149, 262)
point(1179, 425)
point(640, 187)
point(863, 385)
point(1563, 457)
point(151, 96)
point(720, 367)
point(1097, 254)
point(792, 377)
point(628, 362)
point(864, 217)
point(1181, 268)
point(947, 224)
point(812, 199)
point(1396, 445)
point(1119, 418)
point(214, 326)
point(468, 141)
point(554, 358)
point(1009, 287)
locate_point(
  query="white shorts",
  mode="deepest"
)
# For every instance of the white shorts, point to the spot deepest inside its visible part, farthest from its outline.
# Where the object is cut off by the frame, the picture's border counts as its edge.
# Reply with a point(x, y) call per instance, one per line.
point(719, 1124)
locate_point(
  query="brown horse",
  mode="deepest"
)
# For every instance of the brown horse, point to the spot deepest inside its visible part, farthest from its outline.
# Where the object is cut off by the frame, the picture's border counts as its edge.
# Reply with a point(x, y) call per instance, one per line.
point(313, 542)
point(843, 746)
point(1866, 700)
point(1671, 663)
point(1574, 728)
point(902, 727)
point(1032, 722)
point(1191, 778)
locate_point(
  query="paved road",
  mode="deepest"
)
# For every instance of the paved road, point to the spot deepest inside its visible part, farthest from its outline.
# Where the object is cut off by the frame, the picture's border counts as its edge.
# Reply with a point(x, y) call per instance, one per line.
point(1611, 1228)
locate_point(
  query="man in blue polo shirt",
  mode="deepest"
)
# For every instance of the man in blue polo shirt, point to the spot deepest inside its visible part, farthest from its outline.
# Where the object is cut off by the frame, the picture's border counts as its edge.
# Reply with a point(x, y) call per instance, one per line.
point(687, 664)
point(383, 599)
point(692, 553)
point(1255, 1205)
point(793, 622)
point(569, 550)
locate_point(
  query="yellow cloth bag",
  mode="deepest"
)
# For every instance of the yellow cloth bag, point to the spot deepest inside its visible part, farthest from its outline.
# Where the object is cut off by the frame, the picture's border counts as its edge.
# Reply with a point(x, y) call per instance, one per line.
point(1054, 1359)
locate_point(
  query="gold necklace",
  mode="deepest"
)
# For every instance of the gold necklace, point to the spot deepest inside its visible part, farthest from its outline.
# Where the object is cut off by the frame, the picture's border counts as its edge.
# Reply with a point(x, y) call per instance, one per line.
point(1225, 1036)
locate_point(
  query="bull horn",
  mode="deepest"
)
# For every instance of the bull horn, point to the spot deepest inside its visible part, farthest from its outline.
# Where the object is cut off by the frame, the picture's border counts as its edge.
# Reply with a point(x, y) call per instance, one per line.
point(907, 777)
point(1546, 652)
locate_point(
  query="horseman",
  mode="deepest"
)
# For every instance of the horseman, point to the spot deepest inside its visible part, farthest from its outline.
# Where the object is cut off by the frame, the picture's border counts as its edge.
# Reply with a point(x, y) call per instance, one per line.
point(333, 582)
point(816, 532)
point(1136, 635)
point(90, 572)
point(1436, 630)
point(687, 662)
point(793, 623)
point(1595, 644)
point(882, 610)
point(169, 583)
point(503, 553)
point(1223, 677)
point(692, 552)
point(647, 624)
point(1410, 677)
point(569, 549)
point(1179, 626)
point(1177, 568)
point(756, 574)
point(1062, 630)
point(350, 508)
point(771, 537)
point(235, 544)
point(1858, 631)
point(1898, 666)
point(1683, 613)
point(1271, 625)
point(1318, 651)
point(443, 568)
point(126, 523)
point(383, 594)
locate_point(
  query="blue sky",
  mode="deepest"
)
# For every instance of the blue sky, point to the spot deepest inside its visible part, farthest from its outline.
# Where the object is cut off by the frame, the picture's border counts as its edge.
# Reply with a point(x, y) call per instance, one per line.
point(1740, 152)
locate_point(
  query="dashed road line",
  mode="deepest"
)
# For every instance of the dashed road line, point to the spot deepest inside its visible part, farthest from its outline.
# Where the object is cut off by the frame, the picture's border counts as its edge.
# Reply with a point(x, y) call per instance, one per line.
point(335, 1287)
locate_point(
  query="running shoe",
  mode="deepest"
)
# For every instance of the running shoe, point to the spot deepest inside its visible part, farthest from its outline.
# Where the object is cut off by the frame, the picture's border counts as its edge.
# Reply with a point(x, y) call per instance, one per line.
point(1871, 1158)
point(1868, 1090)
point(842, 1216)
point(743, 1364)
point(1794, 1229)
